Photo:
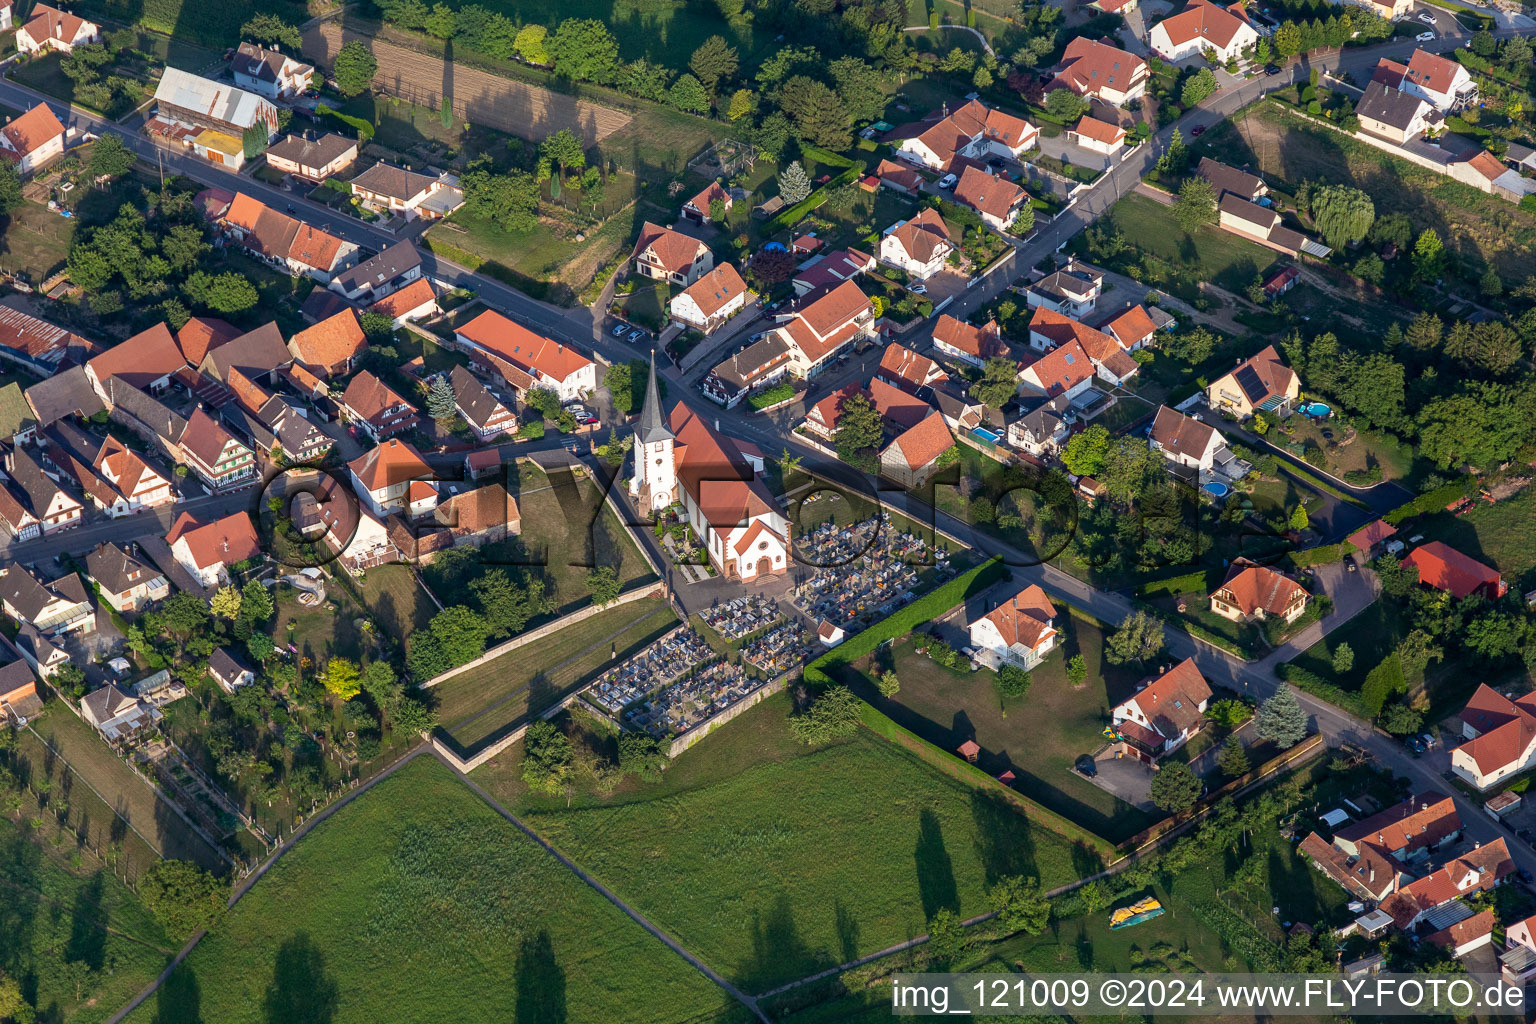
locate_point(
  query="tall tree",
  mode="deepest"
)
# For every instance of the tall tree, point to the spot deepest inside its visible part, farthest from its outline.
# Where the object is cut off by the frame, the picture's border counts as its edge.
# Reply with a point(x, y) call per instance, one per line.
point(1196, 204)
point(817, 112)
point(1086, 451)
point(1138, 638)
point(1021, 905)
point(688, 94)
point(1175, 787)
point(182, 896)
point(584, 49)
point(794, 184)
point(354, 68)
point(859, 433)
point(859, 87)
point(1343, 215)
point(714, 61)
point(441, 401)
point(1281, 719)
point(999, 382)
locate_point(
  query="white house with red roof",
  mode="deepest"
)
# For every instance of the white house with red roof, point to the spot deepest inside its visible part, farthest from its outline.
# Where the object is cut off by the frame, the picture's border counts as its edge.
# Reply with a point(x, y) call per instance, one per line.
point(1101, 71)
point(1255, 593)
point(33, 139)
point(1098, 136)
point(1019, 631)
point(699, 206)
point(1064, 371)
point(220, 461)
point(974, 130)
point(1444, 568)
point(1500, 737)
point(48, 28)
point(1049, 330)
point(817, 332)
point(541, 362)
point(920, 246)
point(393, 477)
point(1162, 715)
point(966, 342)
point(1203, 26)
point(1443, 83)
point(1479, 869)
point(1186, 441)
point(663, 254)
point(208, 550)
point(710, 301)
point(831, 270)
point(903, 368)
point(679, 459)
point(995, 199)
point(374, 408)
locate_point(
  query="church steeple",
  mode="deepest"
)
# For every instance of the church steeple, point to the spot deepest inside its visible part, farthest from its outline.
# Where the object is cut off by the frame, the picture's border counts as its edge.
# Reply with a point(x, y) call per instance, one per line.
point(653, 422)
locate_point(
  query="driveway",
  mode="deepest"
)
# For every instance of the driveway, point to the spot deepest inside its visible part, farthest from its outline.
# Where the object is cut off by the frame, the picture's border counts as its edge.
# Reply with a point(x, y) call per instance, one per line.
point(1070, 152)
point(1125, 778)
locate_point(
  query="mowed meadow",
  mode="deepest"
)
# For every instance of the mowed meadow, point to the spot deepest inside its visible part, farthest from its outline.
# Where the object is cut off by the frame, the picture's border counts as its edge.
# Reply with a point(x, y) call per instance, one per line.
point(417, 902)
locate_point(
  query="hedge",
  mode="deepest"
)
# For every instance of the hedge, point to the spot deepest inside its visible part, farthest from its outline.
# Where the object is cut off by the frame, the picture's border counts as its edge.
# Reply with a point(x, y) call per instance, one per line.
point(1431, 501)
point(1198, 631)
point(1326, 554)
point(793, 214)
point(1317, 686)
point(1312, 479)
point(1201, 582)
point(826, 156)
point(929, 606)
point(363, 128)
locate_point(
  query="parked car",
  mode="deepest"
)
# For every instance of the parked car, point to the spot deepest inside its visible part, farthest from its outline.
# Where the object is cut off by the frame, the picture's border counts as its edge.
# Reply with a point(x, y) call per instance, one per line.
point(1198, 129)
point(1425, 37)
point(948, 181)
point(918, 289)
point(1086, 766)
point(1426, 17)
point(636, 334)
point(619, 329)
point(1272, 69)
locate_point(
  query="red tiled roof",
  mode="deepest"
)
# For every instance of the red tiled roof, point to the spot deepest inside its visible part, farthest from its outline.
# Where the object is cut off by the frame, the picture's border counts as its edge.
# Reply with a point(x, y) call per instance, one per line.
point(31, 131)
point(1061, 369)
point(1444, 568)
point(329, 343)
point(1431, 71)
point(898, 361)
point(899, 174)
point(413, 296)
point(982, 342)
point(1171, 702)
point(896, 406)
point(1089, 66)
point(1203, 20)
point(828, 322)
point(673, 250)
point(987, 194)
point(141, 359)
point(224, 541)
point(1486, 164)
point(972, 121)
point(712, 291)
point(520, 346)
point(202, 334)
point(712, 191)
point(391, 462)
point(1257, 587)
point(51, 23)
point(1459, 934)
point(1100, 131)
point(1181, 434)
point(1130, 327)
point(924, 235)
point(1418, 822)
point(369, 397)
point(921, 444)
point(1371, 534)
point(1024, 618)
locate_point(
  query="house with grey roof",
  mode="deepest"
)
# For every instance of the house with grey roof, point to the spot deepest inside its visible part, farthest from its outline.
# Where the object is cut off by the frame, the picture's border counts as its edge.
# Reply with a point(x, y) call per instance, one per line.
point(119, 717)
point(125, 582)
point(387, 188)
point(380, 275)
point(488, 416)
point(40, 493)
point(54, 609)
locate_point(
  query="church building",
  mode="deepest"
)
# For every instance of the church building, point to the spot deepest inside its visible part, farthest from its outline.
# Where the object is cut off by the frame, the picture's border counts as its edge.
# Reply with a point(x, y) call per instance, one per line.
point(680, 460)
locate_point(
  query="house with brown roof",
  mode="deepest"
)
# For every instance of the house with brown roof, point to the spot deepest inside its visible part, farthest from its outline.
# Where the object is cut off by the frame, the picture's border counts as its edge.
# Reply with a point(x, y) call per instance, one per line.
point(393, 477)
point(416, 301)
point(996, 199)
point(201, 335)
point(1098, 136)
point(822, 420)
point(1228, 180)
point(387, 188)
point(974, 130)
point(270, 73)
point(483, 515)
point(905, 369)
point(1368, 875)
point(379, 275)
point(1065, 370)
point(967, 343)
point(1099, 70)
point(919, 246)
point(273, 424)
point(1072, 291)
point(117, 480)
point(1043, 431)
point(710, 301)
point(1019, 630)
point(1203, 27)
point(1049, 330)
point(1406, 832)
point(663, 254)
point(1133, 327)
point(37, 346)
point(1186, 441)
point(818, 331)
point(374, 408)
point(32, 140)
point(831, 270)
point(39, 494)
point(55, 608)
point(295, 247)
point(123, 581)
point(209, 550)
point(1262, 224)
point(1259, 384)
point(1482, 868)
point(49, 29)
point(146, 361)
point(1256, 593)
point(486, 414)
point(258, 354)
point(1395, 114)
point(119, 717)
point(220, 462)
point(331, 347)
point(899, 410)
point(761, 363)
point(698, 208)
point(525, 359)
point(1164, 713)
point(899, 178)
point(332, 516)
point(913, 456)
point(311, 157)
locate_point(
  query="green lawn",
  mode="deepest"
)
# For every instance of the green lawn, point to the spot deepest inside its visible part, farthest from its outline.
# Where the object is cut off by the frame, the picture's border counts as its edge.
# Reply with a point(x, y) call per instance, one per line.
point(77, 939)
point(770, 859)
point(392, 594)
point(416, 903)
point(35, 241)
point(947, 707)
point(1502, 534)
point(480, 702)
point(319, 632)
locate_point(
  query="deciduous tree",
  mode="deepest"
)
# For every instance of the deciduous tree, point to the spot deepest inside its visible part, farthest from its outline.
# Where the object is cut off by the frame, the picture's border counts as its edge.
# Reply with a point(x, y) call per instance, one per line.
point(1196, 204)
point(1021, 905)
point(1138, 638)
point(354, 68)
point(182, 896)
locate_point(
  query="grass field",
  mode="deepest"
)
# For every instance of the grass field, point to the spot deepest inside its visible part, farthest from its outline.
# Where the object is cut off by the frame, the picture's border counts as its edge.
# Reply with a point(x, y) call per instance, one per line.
point(947, 707)
point(477, 703)
point(77, 939)
point(318, 633)
point(1500, 534)
point(770, 859)
point(1288, 147)
point(34, 240)
point(419, 903)
point(107, 774)
point(392, 594)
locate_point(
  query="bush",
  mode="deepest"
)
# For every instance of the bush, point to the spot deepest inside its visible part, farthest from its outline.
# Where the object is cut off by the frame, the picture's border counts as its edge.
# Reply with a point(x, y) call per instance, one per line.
point(833, 715)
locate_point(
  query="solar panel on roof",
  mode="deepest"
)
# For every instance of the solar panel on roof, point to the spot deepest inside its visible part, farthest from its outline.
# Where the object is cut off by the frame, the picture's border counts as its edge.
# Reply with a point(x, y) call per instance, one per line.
point(1248, 379)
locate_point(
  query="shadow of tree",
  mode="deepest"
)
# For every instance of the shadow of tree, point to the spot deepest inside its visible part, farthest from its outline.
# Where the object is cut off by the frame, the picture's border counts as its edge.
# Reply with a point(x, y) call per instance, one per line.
point(179, 1000)
point(1004, 838)
point(88, 926)
point(778, 951)
point(935, 873)
point(540, 981)
point(301, 991)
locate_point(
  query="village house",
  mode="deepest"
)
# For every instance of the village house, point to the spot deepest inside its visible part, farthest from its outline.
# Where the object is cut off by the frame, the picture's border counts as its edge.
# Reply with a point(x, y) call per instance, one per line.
point(1500, 737)
point(1043, 431)
point(375, 409)
point(1163, 714)
point(831, 270)
point(525, 359)
point(18, 425)
point(1134, 327)
point(32, 140)
point(70, 392)
point(210, 118)
point(1072, 291)
point(919, 246)
point(974, 130)
point(486, 415)
point(56, 609)
point(1256, 593)
point(1406, 832)
point(1049, 330)
point(146, 361)
point(270, 73)
point(710, 301)
point(1020, 631)
point(119, 717)
point(899, 178)
point(258, 354)
point(819, 331)
point(903, 368)
point(899, 411)
point(1064, 371)
point(1203, 27)
point(680, 460)
point(37, 346)
point(331, 347)
point(1191, 444)
point(115, 479)
point(220, 462)
point(967, 343)
point(1098, 136)
point(19, 701)
point(416, 301)
point(295, 247)
point(46, 504)
point(379, 275)
point(393, 477)
point(1517, 964)
point(1396, 114)
point(1262, 224)
point(1259, 384)
point(201, 335)
point(759, 364)
point(1484, 867)
point(208, 551)
point(50, 29)
point(273, 424)
point(331, 516)
point(311, 157)
point(1444, 83)
point(915, 453)
point(1444, 568)
point(483, 515)
point(123, 581)
point(228, 671)
point(1228, 180)
point(996, 199)
point(1369, 874)
point(823, 417)
point(698, 208)
point(666, 255)
point(1391, 10)
point(1098, 70)
point(407, 193)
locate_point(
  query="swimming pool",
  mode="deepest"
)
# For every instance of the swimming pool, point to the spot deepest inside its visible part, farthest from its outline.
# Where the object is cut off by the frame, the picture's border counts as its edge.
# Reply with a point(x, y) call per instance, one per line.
point(986, 435)
point(1316, 410)
point(1216, 489)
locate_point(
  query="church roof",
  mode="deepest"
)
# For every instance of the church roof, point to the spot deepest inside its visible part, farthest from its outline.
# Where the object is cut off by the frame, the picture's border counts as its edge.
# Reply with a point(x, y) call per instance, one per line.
point(653, 424)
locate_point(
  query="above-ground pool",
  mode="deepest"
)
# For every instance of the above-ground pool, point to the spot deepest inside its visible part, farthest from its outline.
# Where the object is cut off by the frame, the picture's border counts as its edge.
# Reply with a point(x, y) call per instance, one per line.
point(986, 435)
point(1315, 409)
point(1216, 489)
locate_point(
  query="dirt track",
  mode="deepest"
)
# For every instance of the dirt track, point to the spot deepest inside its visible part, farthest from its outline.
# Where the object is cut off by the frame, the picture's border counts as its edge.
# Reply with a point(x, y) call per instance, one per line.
point(478, 96)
